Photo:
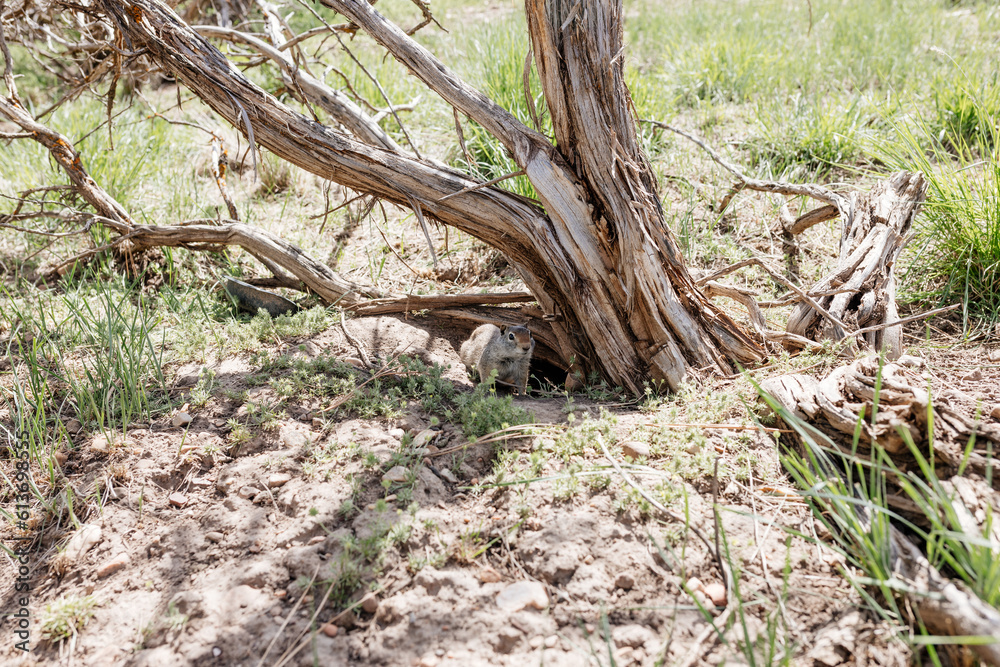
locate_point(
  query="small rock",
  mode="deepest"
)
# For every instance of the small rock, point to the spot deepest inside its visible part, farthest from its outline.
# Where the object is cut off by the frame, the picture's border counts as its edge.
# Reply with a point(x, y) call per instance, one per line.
point(247, 492)
point(488, 575)
point(214, 536)
point(910, 361)
point(516, 597)
point(278, 479)
point(994, 355)
point(369, 603)
point(396, 474)
point(85, 537)
point(61, 457)
point(112, 566)
point(551, 641)
point(624, 581)
point(118, 492)
point(317, 422)
point(100, 444)
point(177, 499)
point(216, 651)
point(329, 629)
point(974, 376)
point(292, 437)
point(536, 641)
point(429, 660)
point(716, 593)
point(995, 412)
point(397, 433)
point(694, 585)
point(181, 419)
point(73, 426)
point(424, 437)
point(448, 476)
point(634, 449)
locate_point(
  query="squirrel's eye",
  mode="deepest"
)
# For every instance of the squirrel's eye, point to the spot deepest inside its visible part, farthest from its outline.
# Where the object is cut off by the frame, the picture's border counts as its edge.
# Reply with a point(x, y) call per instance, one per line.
point(510, 336)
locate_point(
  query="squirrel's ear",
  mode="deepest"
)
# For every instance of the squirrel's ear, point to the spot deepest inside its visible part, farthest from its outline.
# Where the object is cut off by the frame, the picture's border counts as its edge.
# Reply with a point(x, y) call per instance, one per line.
point(503, 328)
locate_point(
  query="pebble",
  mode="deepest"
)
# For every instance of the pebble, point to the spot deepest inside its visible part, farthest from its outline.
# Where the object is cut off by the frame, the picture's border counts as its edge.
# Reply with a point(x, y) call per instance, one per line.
point(395, 474)
point(517, 596)
point(85, 537)
point(448, 476)
point(112, 566)
point(551, 641)
point(73, 426)
point(424, 437)
point(292, 437)
point(624, 581)
point(317, 422)
point(200, 481)
point(61, 457)
point(994, 355)
point(397, 433)
point(214, 536)
point(974, 376)
point(369, 603)
point(247, 492)
point(329, 629)
point(181, 419)
point(995, 412)
point(100, 444)
point(694, 585)
point(717, 593)
point(635, 449)
point(429, 660)
point(535, 641)
point(278, 479)
point(488, 575)
point(177, 499)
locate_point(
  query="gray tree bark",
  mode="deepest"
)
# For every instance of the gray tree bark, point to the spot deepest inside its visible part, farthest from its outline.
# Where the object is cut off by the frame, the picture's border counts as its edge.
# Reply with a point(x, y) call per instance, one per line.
point(598, 256)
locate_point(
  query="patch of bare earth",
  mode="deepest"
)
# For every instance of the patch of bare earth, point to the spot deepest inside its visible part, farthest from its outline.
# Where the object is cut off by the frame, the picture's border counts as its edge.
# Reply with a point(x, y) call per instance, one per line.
point(205, 557)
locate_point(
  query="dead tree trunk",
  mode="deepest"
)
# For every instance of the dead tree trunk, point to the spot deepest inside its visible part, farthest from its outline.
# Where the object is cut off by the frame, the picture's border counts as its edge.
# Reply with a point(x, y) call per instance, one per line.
point(876, 226)
point(599, 258)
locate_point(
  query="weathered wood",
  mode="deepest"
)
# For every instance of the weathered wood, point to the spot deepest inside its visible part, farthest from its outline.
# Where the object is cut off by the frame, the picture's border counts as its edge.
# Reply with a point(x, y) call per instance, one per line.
point(833, 407)
point(875, 230)
point(599, 259)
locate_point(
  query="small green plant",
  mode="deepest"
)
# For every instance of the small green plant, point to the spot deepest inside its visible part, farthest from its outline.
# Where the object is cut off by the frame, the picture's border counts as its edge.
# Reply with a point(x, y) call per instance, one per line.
point(66, 617)
point(203, 390)
point(482, 411)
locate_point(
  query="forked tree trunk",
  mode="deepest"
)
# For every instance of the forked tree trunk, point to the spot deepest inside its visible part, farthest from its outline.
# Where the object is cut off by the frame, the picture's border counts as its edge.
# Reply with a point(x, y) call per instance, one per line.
point(599, 258)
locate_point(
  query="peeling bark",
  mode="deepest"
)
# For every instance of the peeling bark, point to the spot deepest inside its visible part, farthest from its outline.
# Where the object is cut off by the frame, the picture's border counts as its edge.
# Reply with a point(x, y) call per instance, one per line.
point(876, 227)
point(599, 258)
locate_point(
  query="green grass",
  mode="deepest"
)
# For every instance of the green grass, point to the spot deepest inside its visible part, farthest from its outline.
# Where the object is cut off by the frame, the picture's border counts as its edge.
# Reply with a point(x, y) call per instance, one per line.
point(848, 493)
point(956, 254)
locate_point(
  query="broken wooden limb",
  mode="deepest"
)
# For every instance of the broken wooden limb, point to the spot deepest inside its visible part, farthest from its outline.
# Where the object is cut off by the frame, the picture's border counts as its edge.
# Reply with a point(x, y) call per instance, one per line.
point(415, 302)
point(829, 414)
point(340, 107)
point(834, 406)
point(876, 229)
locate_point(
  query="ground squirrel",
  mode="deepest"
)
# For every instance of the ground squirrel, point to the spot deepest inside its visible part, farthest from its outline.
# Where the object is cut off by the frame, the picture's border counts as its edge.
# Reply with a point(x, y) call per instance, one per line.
point(506, 349)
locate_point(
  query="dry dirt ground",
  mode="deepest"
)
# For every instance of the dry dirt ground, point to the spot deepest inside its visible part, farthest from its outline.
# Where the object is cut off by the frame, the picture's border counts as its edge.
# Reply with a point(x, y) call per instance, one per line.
point(205, 557)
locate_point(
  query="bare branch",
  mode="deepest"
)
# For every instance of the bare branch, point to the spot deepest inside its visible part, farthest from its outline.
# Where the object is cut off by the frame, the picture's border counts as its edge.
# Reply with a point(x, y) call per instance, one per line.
point(804, 190)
